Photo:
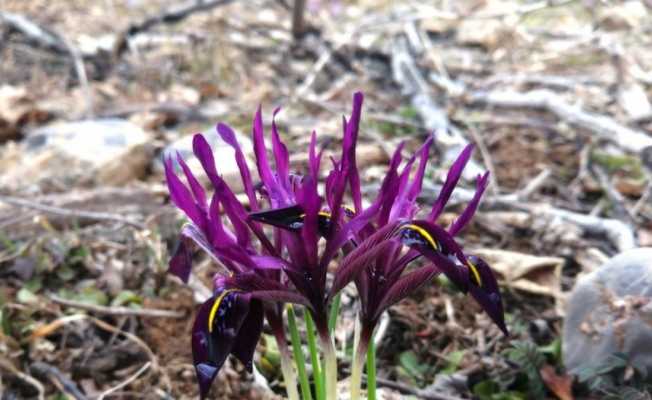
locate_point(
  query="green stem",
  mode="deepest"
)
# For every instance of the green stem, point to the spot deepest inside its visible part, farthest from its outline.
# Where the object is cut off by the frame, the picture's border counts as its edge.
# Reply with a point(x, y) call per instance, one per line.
point(317, 371)
point(330, 368)
point(356, 372)
point(289, 377)
point(335, 310)
point(330, 358)
point(299, 358)
point(371, 370)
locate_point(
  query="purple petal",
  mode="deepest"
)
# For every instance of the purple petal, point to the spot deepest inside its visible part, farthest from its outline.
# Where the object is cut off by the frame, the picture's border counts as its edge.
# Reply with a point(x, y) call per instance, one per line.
point(361, 257)
point(234, 210)
point(389, 187)
point(454, 174)
point(401, 205)
point(417, 181)
point(314, 160)
point(354, 266)
point(250, 331)
point(434, 243)
point(348, 148)
point(227, 134)
point(487, 293)
point(181, 196)
point(280, 296)
point(281, 155)
point(214, 333)
point(464, 218)
point(310, 202)
point(268, 262)
point(197, 189)
point(264, 170)
point(405, 286)
point(181, 261)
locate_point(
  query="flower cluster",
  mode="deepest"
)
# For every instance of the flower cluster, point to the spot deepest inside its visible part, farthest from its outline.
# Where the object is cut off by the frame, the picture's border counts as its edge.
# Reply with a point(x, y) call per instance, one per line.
point(279, 249)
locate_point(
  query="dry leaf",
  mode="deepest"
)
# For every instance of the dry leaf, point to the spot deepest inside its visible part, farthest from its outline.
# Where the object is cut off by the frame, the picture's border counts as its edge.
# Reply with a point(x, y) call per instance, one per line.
point(534, 274)
point(560, 385)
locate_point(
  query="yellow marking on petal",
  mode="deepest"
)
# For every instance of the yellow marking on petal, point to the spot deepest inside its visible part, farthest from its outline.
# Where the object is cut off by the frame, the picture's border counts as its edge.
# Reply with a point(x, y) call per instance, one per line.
point(324, 214)
point(216, 306)
point(424, 234)
point(349, 209)
point(475, 272)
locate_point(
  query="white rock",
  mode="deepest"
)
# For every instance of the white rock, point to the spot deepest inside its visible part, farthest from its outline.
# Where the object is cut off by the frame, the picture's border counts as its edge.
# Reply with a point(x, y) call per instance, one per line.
point(634, 101)
point(610, 311)
point(623, 16)
point(110, 151)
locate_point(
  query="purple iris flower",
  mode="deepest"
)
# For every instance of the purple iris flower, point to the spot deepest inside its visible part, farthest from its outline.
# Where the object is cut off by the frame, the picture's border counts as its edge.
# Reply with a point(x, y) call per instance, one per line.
point(288, 263)
point(263, 273)
point(231, 321)
point(387, 236)
point(397, 236)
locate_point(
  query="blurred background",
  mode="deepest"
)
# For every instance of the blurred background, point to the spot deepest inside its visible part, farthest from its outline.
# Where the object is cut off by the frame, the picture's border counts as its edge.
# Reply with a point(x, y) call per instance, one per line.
point(554, 94)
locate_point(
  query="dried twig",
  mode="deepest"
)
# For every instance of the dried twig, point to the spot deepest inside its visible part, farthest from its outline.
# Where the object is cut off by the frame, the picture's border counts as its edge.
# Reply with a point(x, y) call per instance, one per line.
point(5, 364)
point(487, 158)
point(97, 216)
point(126, 382)
point(421, 393)
point(33, 31)
point(55, 41)
point(407, 74)
point(604, 127)
point(166, 16)
point(620, 234)
point(617, 199)
point(58, 379)
point(119, 311)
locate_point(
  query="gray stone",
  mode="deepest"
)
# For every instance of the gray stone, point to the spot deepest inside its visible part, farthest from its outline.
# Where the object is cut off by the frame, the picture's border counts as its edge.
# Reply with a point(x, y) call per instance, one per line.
point(110, 151)
point(610, 311)
point(223, 153)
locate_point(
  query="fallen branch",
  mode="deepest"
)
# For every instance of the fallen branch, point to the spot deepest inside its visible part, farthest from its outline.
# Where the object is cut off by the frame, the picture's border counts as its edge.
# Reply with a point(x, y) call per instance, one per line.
point(120, 311)
point(5, 364)
point(619, 233)
point(58, 379)
point(34, 32)
point(126, 382)
point(166, 16)
point(52, 40)
point(410, 78)
point(604, 127)
point(97, 216)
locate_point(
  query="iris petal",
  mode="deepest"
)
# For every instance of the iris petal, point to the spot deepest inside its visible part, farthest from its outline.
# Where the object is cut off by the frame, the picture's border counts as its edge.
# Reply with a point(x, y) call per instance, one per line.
point(215, 332)
point(487, 294)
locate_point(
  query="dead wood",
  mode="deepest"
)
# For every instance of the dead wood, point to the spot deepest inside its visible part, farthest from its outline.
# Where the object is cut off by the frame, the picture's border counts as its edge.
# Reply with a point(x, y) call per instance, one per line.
point(602, 126)
point(168, 16)
point(407, 74)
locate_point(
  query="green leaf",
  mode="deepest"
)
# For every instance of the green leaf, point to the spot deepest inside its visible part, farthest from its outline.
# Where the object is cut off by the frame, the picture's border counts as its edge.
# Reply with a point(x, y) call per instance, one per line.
point(126, 297)
point(454, 360)
point(93, 296)
point(553, 349)
point(411, 365)
point(270, 360)
point(490, 390)
point(26, 296)
point(34, 285)
point(66, 273)
point(485, 389)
